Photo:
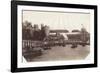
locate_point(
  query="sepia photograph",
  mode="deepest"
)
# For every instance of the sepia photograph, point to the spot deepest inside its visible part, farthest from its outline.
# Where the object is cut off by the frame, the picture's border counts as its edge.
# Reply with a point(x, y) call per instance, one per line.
point(54, 36)
point(51, 36)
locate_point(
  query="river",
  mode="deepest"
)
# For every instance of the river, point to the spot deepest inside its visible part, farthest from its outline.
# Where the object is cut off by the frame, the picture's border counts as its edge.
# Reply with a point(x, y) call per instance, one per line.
point(64, 53)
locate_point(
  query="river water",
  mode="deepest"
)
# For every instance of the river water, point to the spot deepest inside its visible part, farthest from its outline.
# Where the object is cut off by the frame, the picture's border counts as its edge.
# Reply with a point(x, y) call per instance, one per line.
point(64, 53)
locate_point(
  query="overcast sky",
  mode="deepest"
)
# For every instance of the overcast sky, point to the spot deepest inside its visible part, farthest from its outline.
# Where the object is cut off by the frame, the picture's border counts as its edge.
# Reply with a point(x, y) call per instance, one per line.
point(58, 20)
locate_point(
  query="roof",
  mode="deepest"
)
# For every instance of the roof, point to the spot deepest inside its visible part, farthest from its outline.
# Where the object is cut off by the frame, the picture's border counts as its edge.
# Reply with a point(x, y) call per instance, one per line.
point(61, 31)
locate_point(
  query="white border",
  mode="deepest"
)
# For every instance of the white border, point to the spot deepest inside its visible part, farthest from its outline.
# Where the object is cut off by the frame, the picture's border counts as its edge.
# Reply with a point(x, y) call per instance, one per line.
point(88, 60)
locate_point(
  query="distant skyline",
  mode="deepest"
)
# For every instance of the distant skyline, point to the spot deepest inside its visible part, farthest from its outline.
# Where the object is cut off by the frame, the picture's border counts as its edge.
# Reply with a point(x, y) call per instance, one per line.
point(56, 20)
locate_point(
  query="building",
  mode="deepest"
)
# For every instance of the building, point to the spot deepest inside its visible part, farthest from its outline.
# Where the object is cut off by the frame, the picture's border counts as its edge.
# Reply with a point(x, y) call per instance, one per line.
point(36, 28)
point(47, 30)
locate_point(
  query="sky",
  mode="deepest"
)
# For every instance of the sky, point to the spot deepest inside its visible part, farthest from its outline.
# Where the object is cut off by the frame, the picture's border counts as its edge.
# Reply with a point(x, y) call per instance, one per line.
point(58, 20)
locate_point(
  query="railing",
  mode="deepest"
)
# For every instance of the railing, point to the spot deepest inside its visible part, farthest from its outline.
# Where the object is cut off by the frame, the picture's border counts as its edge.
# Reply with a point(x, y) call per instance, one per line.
point(32, 44)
